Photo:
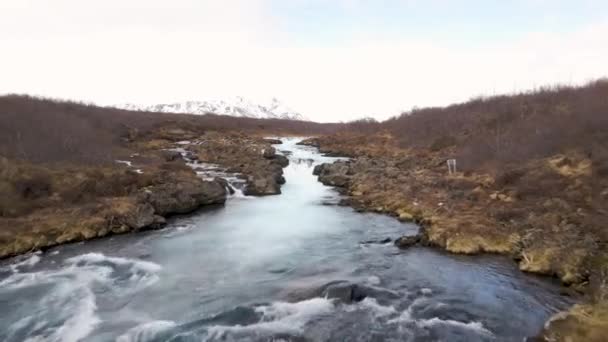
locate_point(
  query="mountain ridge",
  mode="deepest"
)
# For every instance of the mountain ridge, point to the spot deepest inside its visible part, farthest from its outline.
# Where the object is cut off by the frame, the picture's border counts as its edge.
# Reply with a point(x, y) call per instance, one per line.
point(237, 106)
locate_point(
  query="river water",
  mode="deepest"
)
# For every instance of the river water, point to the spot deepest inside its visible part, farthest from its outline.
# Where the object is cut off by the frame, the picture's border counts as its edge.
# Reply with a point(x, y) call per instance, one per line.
point(280, 268)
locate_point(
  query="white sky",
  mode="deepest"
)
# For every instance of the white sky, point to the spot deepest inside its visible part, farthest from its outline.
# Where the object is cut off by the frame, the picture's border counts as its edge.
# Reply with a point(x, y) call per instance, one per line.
point(154, 51)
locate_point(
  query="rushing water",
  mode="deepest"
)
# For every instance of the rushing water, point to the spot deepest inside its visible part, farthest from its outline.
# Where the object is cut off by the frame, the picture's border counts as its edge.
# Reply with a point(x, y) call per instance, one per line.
point(268, 269)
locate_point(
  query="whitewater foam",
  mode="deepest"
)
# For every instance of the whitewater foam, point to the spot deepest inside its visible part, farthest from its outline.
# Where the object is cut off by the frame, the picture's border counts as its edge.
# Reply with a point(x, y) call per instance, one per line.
point(68, 311)
point(475, 326)
point(376, 309)
point(146, 331)
point(26, 261)
point(279, 317)
point(406, 317)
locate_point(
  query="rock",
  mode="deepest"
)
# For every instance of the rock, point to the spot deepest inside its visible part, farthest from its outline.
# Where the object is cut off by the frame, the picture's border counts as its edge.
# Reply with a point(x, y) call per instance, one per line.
point(273, 141)
point(343, 291)
point(335, 174)
point(184, 196)
point(383, 241)
point(261, 186)
point(348, 292)
point(158, 222)
point(226, 185)
point(314, 142)
point(268, 152)
point(170, 155)
point(189, 155)
point(335, 180)
point(139, 217)
point(280, 160)
point(318, 169)
point(408, 241)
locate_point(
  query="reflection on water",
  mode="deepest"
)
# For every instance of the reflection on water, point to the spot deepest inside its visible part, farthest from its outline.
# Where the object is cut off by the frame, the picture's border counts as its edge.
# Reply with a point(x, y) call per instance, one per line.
point(274, 268)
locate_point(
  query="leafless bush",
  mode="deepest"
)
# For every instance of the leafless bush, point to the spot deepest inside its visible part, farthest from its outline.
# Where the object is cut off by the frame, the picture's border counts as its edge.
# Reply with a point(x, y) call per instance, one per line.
point(45, 130)
point(510, 129)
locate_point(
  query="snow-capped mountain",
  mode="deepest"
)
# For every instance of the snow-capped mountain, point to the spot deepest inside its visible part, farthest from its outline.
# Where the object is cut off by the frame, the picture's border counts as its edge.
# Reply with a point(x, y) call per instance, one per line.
point(237, 106)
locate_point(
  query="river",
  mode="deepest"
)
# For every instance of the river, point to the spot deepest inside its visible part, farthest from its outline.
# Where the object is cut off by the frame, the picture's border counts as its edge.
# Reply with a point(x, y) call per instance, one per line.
point(291, 267)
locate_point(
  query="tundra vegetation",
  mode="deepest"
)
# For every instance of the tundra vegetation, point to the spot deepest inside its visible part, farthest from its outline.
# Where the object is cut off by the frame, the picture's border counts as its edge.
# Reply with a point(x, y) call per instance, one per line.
point(71, 171)
point(531, 177)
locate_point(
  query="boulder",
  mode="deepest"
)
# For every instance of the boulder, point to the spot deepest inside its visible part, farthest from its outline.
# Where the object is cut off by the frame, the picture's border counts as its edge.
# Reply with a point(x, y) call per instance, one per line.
point(141, 216)
point(344, 291)
point(280, 179)
point(171, 155)
point(335, 180)
point(316, 171)
point(280, 160)
point(408, 241)
point(260, 185)
point(268, 152)
point(335, 174)
point(226, 184)
point(184, 196)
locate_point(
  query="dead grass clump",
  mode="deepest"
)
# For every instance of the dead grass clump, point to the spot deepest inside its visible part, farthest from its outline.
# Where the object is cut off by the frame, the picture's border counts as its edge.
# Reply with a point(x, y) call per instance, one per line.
point(33, 186)
point(509, 176)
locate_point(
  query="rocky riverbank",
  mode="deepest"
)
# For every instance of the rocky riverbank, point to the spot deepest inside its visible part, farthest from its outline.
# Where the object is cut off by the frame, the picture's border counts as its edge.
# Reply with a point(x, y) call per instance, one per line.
point(44, 205)
point(548, 214)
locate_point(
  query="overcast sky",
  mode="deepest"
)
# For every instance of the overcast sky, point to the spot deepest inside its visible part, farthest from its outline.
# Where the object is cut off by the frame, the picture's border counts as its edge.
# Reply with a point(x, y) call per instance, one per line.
point(330, 60)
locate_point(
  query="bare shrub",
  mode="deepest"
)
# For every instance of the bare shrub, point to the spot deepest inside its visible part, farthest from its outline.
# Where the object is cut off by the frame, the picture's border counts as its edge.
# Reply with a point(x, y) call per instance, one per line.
point(45, 130)
point(499, 130)
point(509, 176)
point(34, 186)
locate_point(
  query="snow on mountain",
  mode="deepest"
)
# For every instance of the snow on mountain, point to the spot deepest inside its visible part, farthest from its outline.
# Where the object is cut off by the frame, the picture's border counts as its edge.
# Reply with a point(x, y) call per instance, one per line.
point(237, 106)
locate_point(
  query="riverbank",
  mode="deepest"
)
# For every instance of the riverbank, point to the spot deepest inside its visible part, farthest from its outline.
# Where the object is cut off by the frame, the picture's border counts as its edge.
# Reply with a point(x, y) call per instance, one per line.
point(546, 214)
point(288, 267)
point(158, 175)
